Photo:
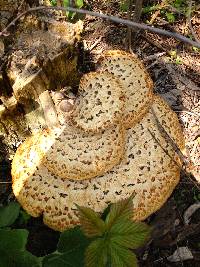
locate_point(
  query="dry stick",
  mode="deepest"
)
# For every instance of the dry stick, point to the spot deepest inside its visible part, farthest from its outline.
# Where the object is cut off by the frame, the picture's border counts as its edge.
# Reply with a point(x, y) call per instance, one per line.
point(129, 31)
point(175, 147)
point(138, 10)
point(190, 22)
point(154, 16)
point(166, 152)
point(129, 23)
point(169, 139)
point(137, 14)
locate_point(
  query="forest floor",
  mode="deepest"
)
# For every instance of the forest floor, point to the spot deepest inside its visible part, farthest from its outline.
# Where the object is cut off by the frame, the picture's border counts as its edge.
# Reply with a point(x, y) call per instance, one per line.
point(175, 70)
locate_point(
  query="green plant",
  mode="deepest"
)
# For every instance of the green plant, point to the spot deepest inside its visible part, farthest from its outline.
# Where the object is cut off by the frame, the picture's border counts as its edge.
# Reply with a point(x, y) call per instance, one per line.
point(175, 58)
point(113, 237)
point(168, 9)
point(53, 2)
point(13, 251)
point(124, 5)
point(100, 241)
point(66, 3)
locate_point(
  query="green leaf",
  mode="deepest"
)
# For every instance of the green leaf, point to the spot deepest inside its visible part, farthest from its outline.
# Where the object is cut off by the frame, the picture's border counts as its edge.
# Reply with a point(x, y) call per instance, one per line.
point(129, 234)
point(24, 217)
point(122, 257)
point(96, 254)
point(53, 2)
point(71, 248)
point(91, 223)
point(122, 210)
point(18, 259)
point(9, 214)
point(79, 3)
point(179, 3)
point(13, 239)
point(72, 240)
point(66, 3)
point(50, 259)
point(124, 6)
point(170, 17)
point(149, 8)
point(105, 212)
point(69, 14)
point(68, 259)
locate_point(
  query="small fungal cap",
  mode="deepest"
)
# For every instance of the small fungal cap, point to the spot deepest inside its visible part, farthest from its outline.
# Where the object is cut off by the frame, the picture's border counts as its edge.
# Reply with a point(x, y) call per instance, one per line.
point(137, 83)
point(101, 102)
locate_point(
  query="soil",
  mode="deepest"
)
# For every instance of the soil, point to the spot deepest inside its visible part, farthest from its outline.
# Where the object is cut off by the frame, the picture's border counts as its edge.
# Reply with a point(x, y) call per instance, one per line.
point(176, 76)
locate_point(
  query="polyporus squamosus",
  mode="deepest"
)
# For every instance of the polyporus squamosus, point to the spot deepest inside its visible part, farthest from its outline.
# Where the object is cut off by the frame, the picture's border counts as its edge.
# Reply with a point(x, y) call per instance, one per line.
point(134, 77)
point(150, 167)
point(101, 102)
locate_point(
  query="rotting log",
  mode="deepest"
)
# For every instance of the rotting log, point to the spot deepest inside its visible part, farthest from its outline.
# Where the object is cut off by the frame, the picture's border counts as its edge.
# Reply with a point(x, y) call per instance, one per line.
point(42, 58)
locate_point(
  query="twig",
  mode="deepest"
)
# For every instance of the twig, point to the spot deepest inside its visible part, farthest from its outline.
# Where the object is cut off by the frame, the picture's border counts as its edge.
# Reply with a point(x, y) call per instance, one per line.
point(95, 43)
point(138, 10)
point(166, 152)
point(137, 15)
point(190, 22)
point(154, 16)
point(154, 56)
point(188, 112)
point(129, 30)
point(183, 168)
point(179, 78)
point(169, 139)
point(129, 23)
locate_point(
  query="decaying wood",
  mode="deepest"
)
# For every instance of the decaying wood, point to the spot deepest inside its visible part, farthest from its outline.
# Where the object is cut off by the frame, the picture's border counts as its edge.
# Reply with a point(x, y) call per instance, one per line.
point(43, 59)
point(7, 9)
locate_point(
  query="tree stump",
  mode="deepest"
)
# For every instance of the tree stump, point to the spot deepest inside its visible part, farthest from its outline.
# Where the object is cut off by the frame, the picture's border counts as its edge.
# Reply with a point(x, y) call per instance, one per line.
point(42, 57)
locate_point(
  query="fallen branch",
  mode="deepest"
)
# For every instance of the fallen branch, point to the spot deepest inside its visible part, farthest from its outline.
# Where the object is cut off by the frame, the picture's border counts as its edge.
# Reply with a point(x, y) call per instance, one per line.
point(187, 166)
point(170, 140)
point(128, 23)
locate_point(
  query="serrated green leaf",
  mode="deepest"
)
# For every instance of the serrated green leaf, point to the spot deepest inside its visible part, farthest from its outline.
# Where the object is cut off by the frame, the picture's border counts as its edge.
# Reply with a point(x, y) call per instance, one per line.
point(129, 234)
point(50, 259)
point(122, 257)
point(72, 240)
point(96, 254)
point(122, 210)
point(69, 259)
point(18, 259)
point(71, 248)
point(9, 214)
point(91, 223)
point(13, 239)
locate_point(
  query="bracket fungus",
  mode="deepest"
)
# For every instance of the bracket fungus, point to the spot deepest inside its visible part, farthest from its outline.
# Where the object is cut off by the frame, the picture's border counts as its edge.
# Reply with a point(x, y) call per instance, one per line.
point(132, 74)
point(104, 160)
point(101, 102)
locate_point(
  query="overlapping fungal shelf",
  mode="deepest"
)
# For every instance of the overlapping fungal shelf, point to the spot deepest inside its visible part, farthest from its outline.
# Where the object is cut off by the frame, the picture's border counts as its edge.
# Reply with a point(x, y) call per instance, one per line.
point(109, 147)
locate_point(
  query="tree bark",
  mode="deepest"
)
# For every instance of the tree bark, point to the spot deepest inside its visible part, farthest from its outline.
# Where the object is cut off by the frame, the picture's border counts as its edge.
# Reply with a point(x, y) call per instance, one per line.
point(42, 58)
